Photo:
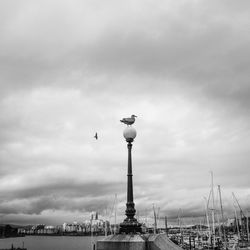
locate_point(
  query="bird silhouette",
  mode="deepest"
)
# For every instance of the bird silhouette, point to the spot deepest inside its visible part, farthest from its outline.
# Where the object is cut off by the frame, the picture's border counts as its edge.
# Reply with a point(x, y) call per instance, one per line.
point(96, 136)
point(129, 121)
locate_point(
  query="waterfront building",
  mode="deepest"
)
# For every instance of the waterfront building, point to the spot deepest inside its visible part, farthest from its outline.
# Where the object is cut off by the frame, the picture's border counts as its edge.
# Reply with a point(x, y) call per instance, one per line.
point(74, 227)
point(95, 225)
point(50, 229)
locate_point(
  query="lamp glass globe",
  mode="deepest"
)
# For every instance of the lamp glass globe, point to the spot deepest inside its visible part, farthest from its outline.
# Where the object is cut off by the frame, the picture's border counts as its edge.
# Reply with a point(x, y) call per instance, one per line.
point(129, 133)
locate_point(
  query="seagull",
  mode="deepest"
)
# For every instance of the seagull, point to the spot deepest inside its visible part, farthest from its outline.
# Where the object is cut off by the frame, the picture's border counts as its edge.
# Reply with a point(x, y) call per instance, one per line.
point(96, 136)
point(129, 121)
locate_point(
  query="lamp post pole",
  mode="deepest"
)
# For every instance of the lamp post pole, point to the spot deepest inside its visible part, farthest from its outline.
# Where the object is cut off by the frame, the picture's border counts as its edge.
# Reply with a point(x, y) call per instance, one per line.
point(130, 211)
point(130, 224)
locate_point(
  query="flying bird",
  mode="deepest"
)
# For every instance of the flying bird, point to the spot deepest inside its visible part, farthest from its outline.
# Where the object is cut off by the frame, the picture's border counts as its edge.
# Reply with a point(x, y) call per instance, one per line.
point(96, 136)
point(129, 121)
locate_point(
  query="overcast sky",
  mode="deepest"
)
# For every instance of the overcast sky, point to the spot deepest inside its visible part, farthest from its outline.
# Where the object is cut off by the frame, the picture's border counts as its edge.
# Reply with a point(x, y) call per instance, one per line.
point(71, 68)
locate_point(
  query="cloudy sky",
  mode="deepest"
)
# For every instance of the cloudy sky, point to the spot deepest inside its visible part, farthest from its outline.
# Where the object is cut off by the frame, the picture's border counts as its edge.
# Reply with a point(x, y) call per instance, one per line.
point(71, 68)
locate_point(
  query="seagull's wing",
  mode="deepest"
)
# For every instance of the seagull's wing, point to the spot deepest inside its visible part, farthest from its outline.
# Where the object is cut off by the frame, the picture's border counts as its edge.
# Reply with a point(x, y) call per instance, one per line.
point(96, 136)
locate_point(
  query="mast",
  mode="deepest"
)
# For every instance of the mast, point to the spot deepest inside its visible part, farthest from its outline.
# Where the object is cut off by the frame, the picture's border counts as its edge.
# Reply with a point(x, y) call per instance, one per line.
point(158, 216)
point(105, 223)
point(166, 225)
point(115, 212)
point(180, 225)
point(242, 216)
point(146, 219)
point(155, 221)
point(212, 192)
point(206, 210)
point(218, 222)
point(222, 215)
point(237, 224)
point(247, 227)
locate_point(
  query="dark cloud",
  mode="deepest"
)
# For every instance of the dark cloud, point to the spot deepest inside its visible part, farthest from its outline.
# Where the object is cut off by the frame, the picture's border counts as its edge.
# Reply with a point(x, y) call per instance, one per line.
point(66, 189)
point(69, 196)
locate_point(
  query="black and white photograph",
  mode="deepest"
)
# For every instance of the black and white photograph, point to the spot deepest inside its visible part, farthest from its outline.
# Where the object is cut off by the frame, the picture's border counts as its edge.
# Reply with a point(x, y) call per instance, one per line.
point(124, 125)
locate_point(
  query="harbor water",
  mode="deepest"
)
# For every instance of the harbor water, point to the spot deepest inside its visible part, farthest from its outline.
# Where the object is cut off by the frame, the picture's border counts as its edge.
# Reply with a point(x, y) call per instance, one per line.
point(50, 242)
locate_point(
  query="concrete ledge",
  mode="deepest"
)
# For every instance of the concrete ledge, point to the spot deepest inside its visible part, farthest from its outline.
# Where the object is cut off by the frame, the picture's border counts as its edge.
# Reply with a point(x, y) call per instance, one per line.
point(137, 242)
point(160, 242)
point(122, 242)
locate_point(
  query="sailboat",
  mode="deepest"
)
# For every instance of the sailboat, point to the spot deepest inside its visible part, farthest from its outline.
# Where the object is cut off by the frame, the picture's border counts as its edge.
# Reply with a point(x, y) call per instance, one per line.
point(242, 241)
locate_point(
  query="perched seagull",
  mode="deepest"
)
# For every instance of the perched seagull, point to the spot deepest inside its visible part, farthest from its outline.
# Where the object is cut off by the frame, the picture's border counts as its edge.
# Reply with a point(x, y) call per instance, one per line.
point(129, 121)
point(96, 136)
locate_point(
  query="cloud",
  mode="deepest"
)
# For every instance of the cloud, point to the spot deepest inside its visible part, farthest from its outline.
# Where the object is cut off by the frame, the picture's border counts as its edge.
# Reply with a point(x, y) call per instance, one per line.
point(69, 70)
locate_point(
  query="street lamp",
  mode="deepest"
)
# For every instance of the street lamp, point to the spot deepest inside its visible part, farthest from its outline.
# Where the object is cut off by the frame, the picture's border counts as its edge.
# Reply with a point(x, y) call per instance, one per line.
point(130, 224)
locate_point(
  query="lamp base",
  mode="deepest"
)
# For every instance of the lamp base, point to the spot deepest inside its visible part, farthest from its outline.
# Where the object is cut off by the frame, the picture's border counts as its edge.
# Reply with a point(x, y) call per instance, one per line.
point(129, 227)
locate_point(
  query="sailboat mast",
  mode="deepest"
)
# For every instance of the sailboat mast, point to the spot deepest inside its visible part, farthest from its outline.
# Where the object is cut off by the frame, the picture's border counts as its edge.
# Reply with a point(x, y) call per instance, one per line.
point(155, 222)
point(212, 192)
point(146, 218)
point(247, 227)
point(206, 209)
point(158, 216)
point(180, 225)
point(115, 213)
point(237, 224)
point(218, 222)
point(242, 216)
point(222, 214)
point(166, 225)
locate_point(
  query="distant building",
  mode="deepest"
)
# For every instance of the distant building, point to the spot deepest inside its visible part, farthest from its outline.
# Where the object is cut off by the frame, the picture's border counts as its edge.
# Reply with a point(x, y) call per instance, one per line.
point(75, 227)
point(94, 216)
point(50, 230)
point(96, 225)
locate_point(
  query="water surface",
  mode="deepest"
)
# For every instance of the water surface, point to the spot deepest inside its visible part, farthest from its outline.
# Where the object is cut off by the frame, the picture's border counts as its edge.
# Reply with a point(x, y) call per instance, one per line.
point(51, 242)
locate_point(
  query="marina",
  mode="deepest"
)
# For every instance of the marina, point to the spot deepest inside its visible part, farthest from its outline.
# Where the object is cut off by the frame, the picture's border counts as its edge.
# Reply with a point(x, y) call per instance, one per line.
point(124, 125)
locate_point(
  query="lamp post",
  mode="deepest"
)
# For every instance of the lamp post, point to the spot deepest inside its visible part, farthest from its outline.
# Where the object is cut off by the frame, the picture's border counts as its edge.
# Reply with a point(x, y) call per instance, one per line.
point(130, 224)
